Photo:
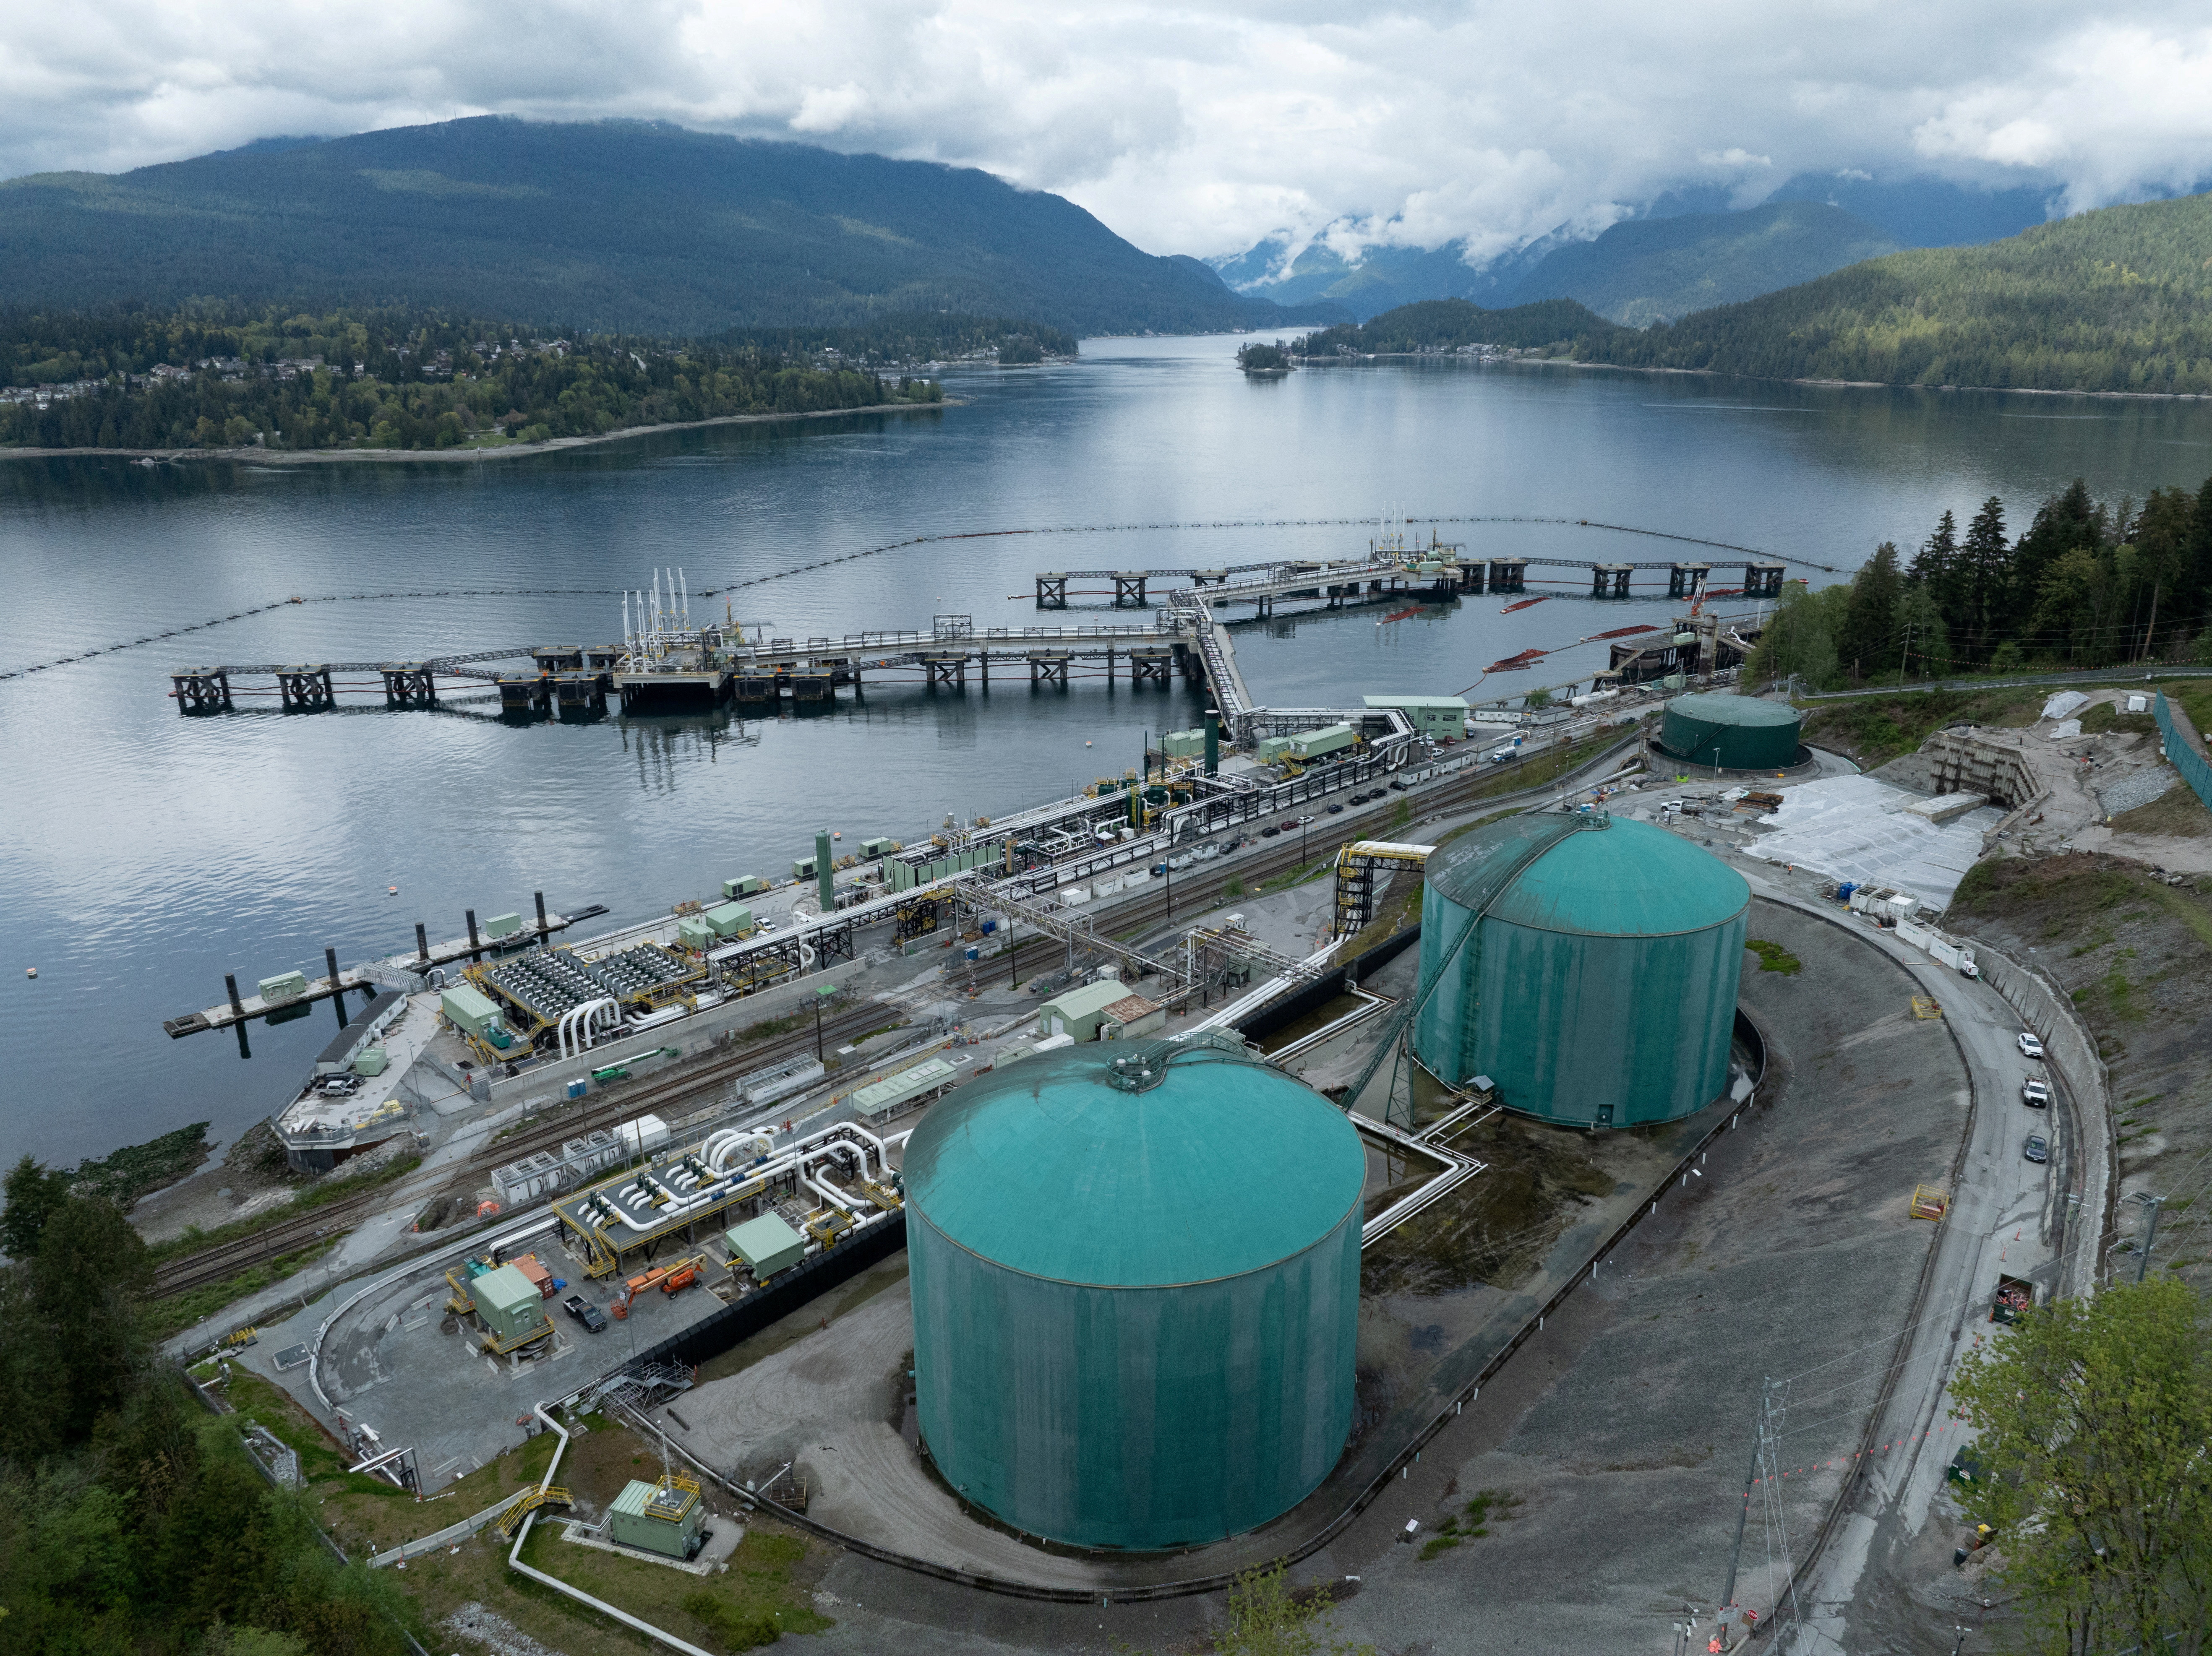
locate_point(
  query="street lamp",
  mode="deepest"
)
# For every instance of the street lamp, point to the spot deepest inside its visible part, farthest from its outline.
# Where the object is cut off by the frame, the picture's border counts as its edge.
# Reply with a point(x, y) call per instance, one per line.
point(821, 994)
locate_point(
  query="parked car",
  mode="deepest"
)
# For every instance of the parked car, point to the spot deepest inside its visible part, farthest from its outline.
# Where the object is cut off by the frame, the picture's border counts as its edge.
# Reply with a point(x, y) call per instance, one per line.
point(2037, 1148)
point(585, 1313)
point(2035, 1093)
point(1269, 832)
point(1334, 809)
point(2030, 1044)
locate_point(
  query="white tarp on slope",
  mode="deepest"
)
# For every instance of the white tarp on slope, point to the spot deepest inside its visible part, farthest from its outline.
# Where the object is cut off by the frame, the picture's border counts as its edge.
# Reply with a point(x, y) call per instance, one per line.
point(1853, 828)
point(2065, 703)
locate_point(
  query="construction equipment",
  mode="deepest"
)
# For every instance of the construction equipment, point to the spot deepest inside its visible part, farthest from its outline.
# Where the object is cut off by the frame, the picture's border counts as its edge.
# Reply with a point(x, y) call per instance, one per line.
point(661, 1277)
point(683, 1277)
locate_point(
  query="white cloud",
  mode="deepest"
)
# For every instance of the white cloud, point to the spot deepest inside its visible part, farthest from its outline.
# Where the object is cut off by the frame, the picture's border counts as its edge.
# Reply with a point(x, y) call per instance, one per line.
point(1198, 127)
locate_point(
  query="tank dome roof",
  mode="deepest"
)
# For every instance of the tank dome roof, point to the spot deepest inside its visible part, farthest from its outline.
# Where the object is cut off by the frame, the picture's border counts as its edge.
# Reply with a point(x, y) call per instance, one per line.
point(1604, 876)
point(1749, 711)
point(1223, 1166)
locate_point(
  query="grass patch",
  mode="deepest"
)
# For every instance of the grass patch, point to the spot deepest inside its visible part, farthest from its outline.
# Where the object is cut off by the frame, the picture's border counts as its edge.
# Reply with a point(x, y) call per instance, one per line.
point(179, 1311)
point(2107, 716)
point(1535, 773)
point(1290, 877)
point(193, 1239)
point(1882, 725)
point(1773, 957)
point(755, 1603)
point(1472, 1522)
point(2177, 814)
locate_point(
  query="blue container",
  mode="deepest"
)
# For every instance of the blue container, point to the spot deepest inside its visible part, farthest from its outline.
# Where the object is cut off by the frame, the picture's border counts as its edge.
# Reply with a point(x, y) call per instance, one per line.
point(989, 926)
point(973, 953)
point(578, 1089)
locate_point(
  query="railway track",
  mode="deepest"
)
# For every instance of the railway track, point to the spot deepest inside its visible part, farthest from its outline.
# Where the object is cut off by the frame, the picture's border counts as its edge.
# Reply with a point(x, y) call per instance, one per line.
point(686, 1084)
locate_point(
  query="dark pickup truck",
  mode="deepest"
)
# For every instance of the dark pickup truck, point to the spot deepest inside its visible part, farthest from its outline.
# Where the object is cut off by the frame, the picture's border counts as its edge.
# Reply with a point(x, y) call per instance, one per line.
point(585, 1313)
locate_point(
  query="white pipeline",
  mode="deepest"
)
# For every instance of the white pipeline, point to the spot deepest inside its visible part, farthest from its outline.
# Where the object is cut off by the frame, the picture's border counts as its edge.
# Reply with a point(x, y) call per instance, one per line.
point(515, 1562)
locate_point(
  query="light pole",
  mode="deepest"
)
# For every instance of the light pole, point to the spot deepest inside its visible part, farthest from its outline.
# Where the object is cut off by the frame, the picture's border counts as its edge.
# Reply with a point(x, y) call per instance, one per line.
point(820, 995)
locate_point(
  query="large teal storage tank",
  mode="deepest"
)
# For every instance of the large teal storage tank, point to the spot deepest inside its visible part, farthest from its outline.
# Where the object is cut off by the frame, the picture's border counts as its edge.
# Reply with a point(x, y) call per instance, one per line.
point(1737, 732)
point(1598, 984)
point(1135, 1312)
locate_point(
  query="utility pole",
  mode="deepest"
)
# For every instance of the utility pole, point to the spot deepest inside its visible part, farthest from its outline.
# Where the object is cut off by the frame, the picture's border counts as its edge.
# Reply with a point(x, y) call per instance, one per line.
point(1769, 1403)
point(2156, 1204)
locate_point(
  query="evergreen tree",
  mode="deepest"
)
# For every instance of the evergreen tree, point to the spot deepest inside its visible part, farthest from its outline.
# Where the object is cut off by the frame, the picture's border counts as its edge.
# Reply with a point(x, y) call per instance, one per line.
point(1921, 638)
point(1986, 572)
point(1935, 565)
point(1866, 641)
point(2064, 523)
point(33, 1194)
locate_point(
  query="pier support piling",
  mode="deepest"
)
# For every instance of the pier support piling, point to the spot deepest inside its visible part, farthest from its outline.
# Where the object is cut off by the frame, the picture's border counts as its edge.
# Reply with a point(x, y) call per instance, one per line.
point(542, 929)
point(202, 690)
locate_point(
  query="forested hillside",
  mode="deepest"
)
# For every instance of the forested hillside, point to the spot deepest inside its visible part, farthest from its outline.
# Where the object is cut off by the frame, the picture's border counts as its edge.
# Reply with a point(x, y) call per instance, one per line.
point(2087, 584)
point(2119, 300)
point(611, 226)
point(221, 377)
point(1647, 271)
point(1453, 324)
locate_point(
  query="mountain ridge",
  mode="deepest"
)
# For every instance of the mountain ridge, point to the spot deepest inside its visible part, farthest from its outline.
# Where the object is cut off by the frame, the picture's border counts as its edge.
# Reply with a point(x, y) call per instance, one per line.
point(619, 225)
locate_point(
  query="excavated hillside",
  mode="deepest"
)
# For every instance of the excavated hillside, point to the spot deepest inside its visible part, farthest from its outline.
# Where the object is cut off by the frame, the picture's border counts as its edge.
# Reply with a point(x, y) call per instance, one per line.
point(2134, 949)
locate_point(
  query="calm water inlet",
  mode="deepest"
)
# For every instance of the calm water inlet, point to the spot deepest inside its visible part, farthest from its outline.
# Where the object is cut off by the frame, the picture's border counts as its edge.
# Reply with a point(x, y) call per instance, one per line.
point(146, 855)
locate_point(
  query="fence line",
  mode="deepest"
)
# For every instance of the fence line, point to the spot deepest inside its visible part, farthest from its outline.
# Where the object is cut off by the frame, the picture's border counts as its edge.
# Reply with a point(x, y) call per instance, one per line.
point(2178, 753)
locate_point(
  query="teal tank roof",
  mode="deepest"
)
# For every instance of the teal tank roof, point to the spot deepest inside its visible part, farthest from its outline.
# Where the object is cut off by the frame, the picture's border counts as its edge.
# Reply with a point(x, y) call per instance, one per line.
point(1624, 878)
point(1224, 1167)
point(1745, 712)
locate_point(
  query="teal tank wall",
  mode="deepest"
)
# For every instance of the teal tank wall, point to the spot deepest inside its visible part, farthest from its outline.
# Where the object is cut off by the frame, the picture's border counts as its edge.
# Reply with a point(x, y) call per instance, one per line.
point(1745, 732)
point(1600, 985)
point(1135, 1313)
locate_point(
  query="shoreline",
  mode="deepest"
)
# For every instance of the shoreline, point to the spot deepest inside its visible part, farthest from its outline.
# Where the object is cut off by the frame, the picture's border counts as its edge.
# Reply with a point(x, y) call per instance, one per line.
point(1764, 379)
point(456, 456)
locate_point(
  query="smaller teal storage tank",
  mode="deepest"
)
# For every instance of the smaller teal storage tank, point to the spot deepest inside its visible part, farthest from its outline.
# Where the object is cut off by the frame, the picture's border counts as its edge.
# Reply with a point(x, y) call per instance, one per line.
point(1587, 964)
point(1737, 732)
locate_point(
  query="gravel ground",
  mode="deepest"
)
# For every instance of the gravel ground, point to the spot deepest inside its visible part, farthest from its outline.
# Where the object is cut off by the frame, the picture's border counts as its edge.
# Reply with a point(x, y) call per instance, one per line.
point(1625, 1426)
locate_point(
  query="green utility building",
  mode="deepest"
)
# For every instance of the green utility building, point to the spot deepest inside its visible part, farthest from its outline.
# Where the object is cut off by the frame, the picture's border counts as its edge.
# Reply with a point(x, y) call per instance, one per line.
point(664, 1518)
point(766, 1244)
point(1587, 965)
point(1136, 1291)
point(1079, 1011)
point(1434, 716)
point(512, 1307)
point(473, 1012)
point(1736, 732)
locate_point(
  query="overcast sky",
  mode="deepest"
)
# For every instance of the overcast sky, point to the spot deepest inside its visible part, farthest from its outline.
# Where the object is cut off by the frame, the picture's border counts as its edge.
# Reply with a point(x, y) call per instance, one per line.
point(1191, 128)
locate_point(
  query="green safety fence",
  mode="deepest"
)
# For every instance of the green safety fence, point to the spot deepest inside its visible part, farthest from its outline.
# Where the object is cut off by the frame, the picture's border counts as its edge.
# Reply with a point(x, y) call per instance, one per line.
point(2178, 754)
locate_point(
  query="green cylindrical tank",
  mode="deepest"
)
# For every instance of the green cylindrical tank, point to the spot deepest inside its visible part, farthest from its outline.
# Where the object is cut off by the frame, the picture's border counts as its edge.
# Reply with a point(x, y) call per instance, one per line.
point(1135, 1312)
point(1598, 985)
point(1737, 732)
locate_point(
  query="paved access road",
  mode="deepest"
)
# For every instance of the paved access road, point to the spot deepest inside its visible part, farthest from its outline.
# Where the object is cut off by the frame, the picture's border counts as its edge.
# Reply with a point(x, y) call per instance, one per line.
point(2008, 1216)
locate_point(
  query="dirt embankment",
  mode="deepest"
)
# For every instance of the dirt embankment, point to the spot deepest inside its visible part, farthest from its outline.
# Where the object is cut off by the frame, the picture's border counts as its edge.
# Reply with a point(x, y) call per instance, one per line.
point(2136, 954)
